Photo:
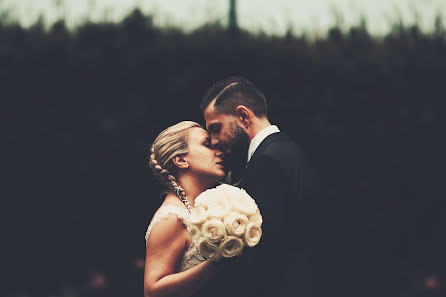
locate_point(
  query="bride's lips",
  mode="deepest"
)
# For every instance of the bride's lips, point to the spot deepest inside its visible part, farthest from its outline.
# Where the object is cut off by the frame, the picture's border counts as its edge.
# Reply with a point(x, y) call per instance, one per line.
point(222, 163)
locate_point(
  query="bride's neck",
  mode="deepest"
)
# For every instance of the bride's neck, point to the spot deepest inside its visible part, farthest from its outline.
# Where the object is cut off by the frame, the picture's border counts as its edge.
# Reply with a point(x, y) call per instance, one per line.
point(193, 186)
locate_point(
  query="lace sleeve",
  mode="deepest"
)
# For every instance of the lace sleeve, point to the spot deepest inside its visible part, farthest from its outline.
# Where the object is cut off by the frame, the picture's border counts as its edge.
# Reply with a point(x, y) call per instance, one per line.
point(163, 213)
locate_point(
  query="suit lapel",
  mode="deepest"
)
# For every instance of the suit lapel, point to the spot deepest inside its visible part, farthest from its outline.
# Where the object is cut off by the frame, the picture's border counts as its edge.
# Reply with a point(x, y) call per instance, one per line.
point(279, 136)
point(269, 139)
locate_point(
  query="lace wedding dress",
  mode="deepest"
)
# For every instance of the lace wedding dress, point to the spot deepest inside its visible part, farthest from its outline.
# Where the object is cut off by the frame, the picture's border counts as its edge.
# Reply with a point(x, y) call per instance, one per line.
point(191, 257)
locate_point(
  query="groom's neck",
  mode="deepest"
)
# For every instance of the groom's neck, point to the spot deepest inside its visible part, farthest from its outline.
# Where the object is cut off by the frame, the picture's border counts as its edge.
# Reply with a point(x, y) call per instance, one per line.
point(257, 125)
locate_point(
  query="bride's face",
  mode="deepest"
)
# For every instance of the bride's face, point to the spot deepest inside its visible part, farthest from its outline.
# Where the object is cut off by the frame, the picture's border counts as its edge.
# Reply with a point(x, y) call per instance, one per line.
point(201, 158)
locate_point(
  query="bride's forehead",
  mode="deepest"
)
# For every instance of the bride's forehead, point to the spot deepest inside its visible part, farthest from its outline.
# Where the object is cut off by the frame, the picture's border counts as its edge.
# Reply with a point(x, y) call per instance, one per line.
point(198, 134)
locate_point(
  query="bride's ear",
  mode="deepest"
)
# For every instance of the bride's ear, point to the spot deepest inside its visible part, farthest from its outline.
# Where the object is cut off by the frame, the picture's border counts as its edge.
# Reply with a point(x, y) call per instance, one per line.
point(180, 162)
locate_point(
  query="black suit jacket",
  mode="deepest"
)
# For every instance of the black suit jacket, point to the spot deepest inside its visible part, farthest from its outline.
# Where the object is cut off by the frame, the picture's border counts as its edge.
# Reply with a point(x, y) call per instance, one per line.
point(282, 181)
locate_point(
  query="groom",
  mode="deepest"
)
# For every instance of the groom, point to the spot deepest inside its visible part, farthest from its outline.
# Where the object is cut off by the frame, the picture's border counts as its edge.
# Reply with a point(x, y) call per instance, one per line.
point(277, 174)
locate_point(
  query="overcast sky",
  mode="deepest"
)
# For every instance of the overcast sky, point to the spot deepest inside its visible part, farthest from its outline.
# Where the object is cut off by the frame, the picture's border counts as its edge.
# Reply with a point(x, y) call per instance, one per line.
point(272, 16)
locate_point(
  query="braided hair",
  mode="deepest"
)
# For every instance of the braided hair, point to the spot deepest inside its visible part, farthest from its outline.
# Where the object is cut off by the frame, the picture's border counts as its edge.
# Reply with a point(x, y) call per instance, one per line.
point(170, 143)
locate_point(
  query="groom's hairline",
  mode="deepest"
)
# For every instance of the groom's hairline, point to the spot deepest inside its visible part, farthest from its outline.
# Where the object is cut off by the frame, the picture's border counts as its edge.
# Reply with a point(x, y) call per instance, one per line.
point(222, 91)
point(219, 107)
point(214, 100)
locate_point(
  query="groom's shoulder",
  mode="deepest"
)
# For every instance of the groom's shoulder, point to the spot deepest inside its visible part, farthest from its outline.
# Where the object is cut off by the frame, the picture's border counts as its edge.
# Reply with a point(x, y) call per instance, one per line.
point(278, 146)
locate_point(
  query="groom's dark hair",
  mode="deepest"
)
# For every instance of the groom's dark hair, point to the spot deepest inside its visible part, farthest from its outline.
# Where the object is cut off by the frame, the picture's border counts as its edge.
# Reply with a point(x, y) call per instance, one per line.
point(232, 92)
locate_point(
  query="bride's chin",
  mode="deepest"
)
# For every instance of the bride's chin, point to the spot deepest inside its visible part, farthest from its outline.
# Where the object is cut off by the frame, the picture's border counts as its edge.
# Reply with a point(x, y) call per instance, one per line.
point(221, 175)
point(211, 180)
point(217, 179)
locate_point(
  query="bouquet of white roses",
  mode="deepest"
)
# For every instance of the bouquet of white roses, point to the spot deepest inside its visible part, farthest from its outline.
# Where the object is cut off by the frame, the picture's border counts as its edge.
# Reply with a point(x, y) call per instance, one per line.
point(225, 220)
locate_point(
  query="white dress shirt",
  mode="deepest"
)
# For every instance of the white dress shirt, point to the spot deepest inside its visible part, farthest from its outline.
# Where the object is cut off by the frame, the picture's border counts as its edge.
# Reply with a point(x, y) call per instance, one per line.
point(257, 140)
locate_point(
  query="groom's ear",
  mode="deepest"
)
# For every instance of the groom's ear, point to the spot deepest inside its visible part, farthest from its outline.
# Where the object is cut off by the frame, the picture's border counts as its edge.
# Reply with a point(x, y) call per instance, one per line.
point(180, 162)
point(243, 114)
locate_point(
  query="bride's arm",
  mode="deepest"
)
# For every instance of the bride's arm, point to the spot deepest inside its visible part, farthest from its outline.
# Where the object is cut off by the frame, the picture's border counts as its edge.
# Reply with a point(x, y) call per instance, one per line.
point(166, 246)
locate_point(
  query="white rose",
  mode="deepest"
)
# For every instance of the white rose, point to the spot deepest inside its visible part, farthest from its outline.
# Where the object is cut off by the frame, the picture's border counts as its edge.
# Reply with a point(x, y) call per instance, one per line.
point(203, 199)
point(194, 232)
point(252, 234)
point(198, 215)
point(256, 217)
point(247, 196)
point(244, 203)
point(235, 223)
point(208, 249)
point(218, 207)
point(229, 191)
point(213, 229)
point(231, 246)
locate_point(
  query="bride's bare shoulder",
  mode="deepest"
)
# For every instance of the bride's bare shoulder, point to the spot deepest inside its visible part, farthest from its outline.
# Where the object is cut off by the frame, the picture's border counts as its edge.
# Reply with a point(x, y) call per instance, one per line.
point(168, 220)
point(167, 232)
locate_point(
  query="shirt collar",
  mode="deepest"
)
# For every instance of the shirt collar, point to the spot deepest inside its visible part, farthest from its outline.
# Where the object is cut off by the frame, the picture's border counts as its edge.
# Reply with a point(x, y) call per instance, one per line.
point(257, 140)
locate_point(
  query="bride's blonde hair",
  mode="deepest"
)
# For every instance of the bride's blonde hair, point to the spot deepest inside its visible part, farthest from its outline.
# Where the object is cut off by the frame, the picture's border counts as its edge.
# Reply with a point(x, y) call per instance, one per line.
point(170, 143)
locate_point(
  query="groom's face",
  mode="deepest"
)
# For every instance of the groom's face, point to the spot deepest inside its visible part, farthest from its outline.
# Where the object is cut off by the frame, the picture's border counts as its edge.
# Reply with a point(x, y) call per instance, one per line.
point(226, 135)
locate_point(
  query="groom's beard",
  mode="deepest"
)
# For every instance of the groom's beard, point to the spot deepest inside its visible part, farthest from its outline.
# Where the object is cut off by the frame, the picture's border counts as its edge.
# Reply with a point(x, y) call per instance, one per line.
point(238, 143)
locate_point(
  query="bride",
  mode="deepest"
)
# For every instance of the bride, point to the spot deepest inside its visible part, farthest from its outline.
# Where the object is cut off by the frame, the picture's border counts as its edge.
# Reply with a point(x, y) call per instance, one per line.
point(182, 159)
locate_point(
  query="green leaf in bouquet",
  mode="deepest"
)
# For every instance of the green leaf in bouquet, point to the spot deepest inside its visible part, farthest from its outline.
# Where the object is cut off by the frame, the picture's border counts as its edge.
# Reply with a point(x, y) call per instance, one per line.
point(228, 178)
